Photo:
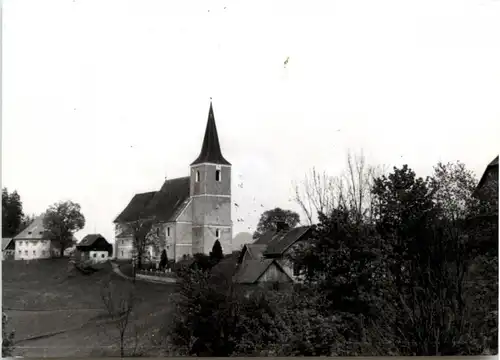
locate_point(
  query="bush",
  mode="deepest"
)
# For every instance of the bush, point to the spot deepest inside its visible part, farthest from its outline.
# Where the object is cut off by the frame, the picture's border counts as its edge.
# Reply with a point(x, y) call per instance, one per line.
point(7, 338)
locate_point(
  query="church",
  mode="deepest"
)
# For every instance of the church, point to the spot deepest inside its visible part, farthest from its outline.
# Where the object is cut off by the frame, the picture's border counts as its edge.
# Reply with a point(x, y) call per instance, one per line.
point(190, 213)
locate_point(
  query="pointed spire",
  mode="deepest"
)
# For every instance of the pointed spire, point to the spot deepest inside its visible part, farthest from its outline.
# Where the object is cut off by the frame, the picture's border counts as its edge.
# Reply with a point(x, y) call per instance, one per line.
point(210, 150)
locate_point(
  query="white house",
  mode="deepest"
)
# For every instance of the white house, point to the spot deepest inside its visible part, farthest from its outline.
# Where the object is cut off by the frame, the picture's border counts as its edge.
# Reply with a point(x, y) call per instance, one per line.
point(33, 242)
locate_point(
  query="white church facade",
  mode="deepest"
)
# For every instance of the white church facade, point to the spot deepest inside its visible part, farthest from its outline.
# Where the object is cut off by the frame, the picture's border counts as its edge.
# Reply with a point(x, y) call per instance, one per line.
point(190, 212)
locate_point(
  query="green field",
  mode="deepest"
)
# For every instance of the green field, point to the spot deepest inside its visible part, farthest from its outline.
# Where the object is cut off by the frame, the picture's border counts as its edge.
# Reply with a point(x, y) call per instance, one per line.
point(55, 313)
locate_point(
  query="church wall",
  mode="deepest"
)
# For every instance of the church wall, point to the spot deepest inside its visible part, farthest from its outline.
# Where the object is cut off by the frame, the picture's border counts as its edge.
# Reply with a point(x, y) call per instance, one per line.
point(211, 210)
point(183, 240)
point(225, 238)
point(124, 247)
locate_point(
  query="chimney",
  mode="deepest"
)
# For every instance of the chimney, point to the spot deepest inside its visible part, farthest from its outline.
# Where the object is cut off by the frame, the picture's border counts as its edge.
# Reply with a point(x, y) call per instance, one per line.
point(281, 226)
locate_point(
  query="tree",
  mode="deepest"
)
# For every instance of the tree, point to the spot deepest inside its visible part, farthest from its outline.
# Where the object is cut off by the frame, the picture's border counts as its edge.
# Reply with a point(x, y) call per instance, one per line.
point(454, 187)
point(7, 338)
point(322, 193)
point(143, 236)
point(119, 301)
point(163, 259)
point(270, 219)
point(216, 254)
point(12, 213)
point(61, 221)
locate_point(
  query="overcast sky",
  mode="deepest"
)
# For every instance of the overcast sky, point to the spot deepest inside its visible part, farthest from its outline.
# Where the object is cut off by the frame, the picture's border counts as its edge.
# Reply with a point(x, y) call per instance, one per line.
point(102, 99)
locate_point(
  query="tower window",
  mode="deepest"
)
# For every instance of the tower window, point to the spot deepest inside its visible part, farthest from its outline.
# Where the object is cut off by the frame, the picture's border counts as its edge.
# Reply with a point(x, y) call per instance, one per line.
point(217, 175)
point(197, 176)
point(168, 231)
point(217, 233)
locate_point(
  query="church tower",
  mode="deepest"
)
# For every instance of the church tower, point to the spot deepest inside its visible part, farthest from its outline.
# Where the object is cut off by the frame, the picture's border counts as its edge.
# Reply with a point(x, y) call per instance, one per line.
point(210, 192)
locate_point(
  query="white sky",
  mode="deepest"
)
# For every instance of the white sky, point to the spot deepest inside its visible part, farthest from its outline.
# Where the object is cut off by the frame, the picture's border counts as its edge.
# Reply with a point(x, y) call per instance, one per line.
point(102, 99)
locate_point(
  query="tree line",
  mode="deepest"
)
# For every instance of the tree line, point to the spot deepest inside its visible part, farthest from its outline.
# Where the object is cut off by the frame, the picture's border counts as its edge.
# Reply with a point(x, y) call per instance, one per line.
point(396, 265)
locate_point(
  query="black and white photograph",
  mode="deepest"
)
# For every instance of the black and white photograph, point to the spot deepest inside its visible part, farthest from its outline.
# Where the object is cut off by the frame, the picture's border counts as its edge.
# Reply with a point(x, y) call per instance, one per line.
point(250, 178)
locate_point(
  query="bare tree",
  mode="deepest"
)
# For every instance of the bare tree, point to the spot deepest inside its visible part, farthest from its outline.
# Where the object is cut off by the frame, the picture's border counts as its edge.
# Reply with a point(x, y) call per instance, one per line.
point(321, 192)
point(119, 303)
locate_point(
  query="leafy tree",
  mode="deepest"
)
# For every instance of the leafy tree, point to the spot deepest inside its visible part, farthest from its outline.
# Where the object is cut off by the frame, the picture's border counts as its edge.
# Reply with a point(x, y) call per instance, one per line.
point(454, 187)
point(270, 218)
point(216, 254)
point(7, 338)
point(12, 213)
point(61, 221)
point(163, 259)
point(144, 235)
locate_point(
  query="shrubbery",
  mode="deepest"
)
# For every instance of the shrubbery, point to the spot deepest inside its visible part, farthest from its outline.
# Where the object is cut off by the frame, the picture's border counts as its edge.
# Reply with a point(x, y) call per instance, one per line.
point(404, 282)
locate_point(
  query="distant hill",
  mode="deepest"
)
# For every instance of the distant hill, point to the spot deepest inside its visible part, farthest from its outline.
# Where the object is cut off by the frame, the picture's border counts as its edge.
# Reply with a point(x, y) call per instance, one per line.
point(241, 239)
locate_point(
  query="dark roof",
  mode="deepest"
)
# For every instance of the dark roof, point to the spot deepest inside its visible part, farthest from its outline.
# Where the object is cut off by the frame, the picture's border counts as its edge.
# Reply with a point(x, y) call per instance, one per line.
point(226, 268)
point(161, 205)
point(210, 150)
point(254, 251)
point(489, 168)
point(90, 239)
point(36, 231)
point(6, 242)
point(167, 202)
point(135, 207)
point(265, 238)
point(251, 270)
point(279, 241)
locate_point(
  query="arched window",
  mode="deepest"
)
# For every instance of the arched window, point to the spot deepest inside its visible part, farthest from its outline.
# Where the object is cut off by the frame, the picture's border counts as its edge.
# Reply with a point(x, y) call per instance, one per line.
point(217, 233)
point(197, 176)
point(217, 175)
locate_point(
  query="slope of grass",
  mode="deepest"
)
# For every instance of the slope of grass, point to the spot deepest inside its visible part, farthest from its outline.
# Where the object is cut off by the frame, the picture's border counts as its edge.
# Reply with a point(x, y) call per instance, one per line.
point(44, 299)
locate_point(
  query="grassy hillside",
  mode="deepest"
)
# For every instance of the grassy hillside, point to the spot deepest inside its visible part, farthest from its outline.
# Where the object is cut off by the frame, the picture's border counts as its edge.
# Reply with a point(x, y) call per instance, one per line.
point(41, 298)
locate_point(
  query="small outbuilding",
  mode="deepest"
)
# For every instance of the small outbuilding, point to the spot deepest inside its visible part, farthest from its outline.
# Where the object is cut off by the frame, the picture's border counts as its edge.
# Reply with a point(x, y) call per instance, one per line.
point(94, 247)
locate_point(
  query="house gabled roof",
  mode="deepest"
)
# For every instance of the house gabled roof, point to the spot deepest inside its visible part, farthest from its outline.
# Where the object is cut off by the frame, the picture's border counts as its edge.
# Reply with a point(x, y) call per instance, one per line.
point(491, 166)
point(34, 231)
point(210, 150)
point(252, 270)
point(253, 251)
point(162, 205)
point(279, 241)
point(90, 239)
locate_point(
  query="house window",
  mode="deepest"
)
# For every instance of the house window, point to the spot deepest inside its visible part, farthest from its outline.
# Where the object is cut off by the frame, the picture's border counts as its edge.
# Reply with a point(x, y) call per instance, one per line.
point(34, 252)
point(102, 255)
point(217, 175)
point(25, 252)
point(29, 232)
point(40, 233)
point(19, 252)
point(168, 231)
point(217, 233)
point(197, 176)
point(122, 253)
point(95, 255)
point(123, 242)
point(43, 252)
